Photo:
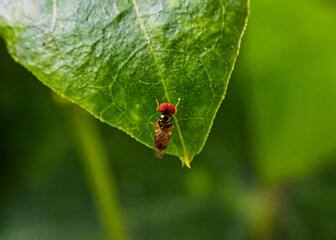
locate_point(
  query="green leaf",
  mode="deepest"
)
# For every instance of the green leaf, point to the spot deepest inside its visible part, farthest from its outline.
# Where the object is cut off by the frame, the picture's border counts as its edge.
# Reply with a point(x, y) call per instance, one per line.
point(114, 58)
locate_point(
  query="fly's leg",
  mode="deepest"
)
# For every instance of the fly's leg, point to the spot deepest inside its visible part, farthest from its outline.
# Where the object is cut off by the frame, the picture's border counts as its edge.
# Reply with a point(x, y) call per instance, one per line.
point(155, 125)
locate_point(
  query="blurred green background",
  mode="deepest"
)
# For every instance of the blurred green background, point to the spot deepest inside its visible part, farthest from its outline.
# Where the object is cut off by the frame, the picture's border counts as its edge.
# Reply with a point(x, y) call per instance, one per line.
point(267, 170)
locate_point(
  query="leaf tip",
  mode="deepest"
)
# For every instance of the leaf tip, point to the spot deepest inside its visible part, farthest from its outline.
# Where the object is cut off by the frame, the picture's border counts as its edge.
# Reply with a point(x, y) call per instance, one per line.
point(186, 161)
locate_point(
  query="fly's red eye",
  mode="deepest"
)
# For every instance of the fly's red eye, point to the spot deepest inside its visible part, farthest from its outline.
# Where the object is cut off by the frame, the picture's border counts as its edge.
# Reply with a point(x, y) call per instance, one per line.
point(163, 107)
point(171, 108)
point(167, 107)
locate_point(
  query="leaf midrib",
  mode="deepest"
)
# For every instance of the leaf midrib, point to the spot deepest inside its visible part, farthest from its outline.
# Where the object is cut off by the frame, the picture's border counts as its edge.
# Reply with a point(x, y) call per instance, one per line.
point(185, 158)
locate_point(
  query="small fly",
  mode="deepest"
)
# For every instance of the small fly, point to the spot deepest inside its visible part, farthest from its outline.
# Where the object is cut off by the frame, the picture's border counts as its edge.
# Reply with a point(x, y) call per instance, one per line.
point(164, 127)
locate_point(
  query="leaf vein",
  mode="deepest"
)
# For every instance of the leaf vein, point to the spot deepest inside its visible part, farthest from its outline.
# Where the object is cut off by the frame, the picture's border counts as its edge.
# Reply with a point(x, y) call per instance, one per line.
point(162, 81)
point(53, 21)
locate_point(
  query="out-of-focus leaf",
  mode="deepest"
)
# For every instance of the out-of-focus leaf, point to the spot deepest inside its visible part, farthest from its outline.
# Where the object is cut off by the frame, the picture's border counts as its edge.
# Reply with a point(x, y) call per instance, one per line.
point(114, 58)
point(288, 81)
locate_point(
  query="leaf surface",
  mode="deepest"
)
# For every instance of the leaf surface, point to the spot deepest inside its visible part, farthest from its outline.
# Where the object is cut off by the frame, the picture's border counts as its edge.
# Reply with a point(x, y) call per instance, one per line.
point(114, 58)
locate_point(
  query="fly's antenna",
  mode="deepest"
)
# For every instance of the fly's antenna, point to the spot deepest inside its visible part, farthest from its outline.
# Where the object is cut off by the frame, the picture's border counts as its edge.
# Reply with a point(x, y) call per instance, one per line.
point(177, 102)
point(157, 103)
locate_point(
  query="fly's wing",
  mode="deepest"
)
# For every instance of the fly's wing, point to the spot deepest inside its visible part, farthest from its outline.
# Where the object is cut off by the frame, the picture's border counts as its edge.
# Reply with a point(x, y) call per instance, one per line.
point(159, 153)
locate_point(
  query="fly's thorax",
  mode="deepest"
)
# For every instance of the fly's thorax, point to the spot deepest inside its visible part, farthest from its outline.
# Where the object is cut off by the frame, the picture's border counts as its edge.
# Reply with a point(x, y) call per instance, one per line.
point(165, 120)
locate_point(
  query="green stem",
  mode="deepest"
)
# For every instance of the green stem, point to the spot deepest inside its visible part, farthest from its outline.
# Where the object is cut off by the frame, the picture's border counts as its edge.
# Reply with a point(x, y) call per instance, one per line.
point(94, 160)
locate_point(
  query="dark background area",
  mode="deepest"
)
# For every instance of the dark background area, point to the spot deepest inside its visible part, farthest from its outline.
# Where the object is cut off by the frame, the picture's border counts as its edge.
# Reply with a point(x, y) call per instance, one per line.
point(267, 170)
